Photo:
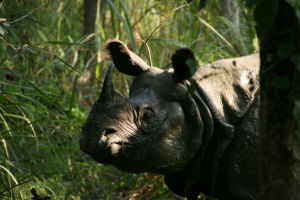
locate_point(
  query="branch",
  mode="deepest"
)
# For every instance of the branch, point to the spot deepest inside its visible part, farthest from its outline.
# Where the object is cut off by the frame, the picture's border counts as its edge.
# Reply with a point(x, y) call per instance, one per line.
point(153, 32)
point(149, 52)
point(30, 13)
point(2, 19)
point(163, 21)
point(8, 44)
point(15, 186)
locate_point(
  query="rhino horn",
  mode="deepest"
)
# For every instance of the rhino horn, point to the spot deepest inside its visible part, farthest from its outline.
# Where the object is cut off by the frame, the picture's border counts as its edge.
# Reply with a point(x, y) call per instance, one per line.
point(108, 93)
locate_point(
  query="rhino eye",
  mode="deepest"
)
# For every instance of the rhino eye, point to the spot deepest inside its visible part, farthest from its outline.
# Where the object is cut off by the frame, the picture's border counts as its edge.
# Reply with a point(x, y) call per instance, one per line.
point(148, 115)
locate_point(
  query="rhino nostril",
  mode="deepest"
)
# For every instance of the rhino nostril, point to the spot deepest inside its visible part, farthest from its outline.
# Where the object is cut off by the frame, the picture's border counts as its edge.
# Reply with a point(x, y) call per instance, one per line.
point(109, 131)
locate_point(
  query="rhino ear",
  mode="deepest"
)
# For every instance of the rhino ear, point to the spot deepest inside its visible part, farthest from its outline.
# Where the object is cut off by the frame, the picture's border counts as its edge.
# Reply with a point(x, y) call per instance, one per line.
point(125, 60)
point(184, 63)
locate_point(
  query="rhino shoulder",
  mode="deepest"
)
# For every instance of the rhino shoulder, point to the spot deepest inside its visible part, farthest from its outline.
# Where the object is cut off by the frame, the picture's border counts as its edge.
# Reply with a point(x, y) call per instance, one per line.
point(230, 85)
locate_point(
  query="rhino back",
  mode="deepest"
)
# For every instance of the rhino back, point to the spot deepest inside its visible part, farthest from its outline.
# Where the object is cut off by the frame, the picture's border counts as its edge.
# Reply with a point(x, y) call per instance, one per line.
point(230, 85)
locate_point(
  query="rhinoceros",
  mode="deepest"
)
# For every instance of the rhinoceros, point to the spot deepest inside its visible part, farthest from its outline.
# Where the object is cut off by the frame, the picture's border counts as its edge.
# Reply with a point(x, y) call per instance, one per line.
point(196, 127)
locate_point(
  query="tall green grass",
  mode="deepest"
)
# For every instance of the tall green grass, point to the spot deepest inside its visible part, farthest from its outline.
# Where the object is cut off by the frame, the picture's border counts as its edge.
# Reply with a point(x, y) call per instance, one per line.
point(41, 109)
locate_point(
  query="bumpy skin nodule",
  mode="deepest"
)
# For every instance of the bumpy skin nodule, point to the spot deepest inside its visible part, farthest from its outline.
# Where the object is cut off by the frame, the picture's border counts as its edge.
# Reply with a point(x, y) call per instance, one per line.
point(199, 130)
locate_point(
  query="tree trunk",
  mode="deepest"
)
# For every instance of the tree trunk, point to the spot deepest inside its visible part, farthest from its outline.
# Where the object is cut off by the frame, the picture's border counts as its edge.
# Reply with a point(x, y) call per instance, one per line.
point(279, 78)
point(89, 18)
point(85, 81)
point(230, 10)
point(90, 11)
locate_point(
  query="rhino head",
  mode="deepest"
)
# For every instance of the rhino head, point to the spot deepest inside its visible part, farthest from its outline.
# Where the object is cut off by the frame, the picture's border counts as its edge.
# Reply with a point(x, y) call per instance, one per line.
point(158, 128)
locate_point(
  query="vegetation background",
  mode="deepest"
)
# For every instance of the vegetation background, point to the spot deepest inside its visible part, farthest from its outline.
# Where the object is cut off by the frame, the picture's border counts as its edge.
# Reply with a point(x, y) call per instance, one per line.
point(51, 71)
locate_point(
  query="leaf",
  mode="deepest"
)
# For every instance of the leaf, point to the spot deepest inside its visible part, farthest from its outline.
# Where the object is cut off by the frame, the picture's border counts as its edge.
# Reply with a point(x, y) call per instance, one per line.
point(264, 15)
point(215, 31)
point(192, 64)
point(23, 118)
point(298, 13)
point(296, 5)
point(29, 49)
point(73, 94)
point(2, 31)
point(296, 61)
point(6, 24)
point(169, 40)
point(125, 23)
point(296, 113)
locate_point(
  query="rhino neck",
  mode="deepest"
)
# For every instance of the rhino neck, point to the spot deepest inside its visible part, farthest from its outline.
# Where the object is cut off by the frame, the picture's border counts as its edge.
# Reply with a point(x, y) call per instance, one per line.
point(217, 135)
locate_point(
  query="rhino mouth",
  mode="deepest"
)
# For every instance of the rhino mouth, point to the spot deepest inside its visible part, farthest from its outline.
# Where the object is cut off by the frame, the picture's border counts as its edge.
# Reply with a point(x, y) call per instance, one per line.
point(105, 151)
point(116, 148)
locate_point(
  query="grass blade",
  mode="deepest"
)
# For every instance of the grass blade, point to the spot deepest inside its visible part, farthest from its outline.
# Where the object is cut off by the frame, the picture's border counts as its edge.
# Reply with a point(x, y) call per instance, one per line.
point(215, 31)
point(4, 144)
point(9, 173)
point(6, 124)
point(125, 24)
point(236, 33)
point(23, 118)
point(73, 94)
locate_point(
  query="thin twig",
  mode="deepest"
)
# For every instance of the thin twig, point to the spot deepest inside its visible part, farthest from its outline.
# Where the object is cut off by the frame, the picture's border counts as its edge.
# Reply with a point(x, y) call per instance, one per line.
point(149, 52)
point(163, 21)
point(152, 33)
point(88, 63)
point(143, 16)
point(15, 186)
point(175, 9)
point(30, 13)
point(8, 44)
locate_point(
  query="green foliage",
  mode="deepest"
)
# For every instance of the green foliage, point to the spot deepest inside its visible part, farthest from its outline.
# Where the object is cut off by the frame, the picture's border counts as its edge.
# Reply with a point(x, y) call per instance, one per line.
point(42, 63)
point(2, 31)
point(296, 60)
point(296, 5)
point(192, 65)
point(296, 113)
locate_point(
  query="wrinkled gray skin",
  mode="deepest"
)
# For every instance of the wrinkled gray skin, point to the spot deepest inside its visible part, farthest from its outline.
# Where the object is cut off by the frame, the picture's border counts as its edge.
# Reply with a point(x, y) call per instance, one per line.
point(199, 130)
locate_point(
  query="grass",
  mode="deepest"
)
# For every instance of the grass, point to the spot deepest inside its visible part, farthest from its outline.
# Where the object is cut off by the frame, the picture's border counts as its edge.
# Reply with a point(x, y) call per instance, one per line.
point(42, 103)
